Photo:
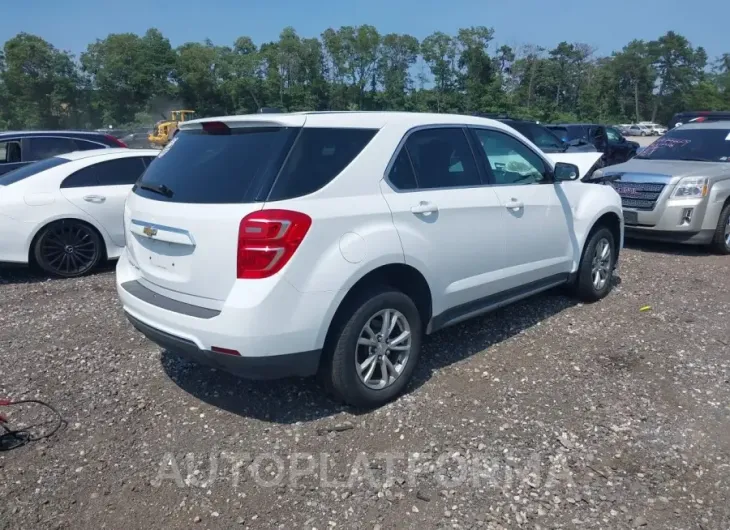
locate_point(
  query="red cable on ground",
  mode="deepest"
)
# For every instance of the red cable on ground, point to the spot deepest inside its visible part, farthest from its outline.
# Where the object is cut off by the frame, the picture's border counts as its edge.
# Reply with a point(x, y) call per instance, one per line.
point(12, 439)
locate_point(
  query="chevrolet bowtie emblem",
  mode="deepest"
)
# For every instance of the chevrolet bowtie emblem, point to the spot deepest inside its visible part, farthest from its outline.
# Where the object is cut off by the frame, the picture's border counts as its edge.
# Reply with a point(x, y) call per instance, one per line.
point(149, 231)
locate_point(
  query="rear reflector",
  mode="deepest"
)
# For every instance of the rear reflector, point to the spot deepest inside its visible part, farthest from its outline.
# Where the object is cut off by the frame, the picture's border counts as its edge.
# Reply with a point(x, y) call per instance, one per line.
point(267, 240)
point(216, 127)
point(224, 351)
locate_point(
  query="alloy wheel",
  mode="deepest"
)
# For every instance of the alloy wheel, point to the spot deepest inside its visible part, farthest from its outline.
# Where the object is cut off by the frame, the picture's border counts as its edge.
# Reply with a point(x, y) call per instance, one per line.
point(727, 233)
point(383, 349)
point(601, 264)
point(69, 249)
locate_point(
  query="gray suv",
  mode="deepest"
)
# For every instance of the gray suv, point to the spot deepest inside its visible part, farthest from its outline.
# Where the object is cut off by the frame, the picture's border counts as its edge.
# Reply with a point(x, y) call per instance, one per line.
point(678, 188)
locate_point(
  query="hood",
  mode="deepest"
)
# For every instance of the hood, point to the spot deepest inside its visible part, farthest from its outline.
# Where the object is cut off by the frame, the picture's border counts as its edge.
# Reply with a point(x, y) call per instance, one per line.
point(676, 168)
point(584, 161)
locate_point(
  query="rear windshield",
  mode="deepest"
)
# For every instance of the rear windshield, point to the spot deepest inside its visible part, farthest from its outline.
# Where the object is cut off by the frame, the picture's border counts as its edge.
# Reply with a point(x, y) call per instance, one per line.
point(561, 132)
point(29, 170)
point(540, 136)
point(701, 145)
point(250, 165)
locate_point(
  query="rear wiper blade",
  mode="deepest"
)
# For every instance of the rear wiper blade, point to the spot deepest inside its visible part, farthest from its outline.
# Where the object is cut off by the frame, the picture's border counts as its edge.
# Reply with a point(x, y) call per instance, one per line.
point(157, 188)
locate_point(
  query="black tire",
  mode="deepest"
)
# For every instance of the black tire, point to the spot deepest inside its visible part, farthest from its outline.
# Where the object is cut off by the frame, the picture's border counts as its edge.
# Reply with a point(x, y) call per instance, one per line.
point(338, 371)
point(720, 243)
point(584, 287)
point(67, 249)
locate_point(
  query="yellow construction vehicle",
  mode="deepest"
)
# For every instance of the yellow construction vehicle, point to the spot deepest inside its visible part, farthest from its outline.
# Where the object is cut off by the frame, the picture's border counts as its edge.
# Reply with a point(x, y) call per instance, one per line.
point(166, 129)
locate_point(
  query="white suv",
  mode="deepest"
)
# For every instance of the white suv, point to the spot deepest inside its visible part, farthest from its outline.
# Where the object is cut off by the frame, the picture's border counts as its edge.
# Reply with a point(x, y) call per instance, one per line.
point(330, 243)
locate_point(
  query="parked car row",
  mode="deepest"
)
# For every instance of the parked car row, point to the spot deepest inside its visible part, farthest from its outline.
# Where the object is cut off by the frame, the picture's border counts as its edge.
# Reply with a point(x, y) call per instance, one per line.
point(331, 243)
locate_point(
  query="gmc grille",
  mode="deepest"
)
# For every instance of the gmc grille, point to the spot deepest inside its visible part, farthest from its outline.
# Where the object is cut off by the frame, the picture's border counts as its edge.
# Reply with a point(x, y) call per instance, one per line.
point(638, 195)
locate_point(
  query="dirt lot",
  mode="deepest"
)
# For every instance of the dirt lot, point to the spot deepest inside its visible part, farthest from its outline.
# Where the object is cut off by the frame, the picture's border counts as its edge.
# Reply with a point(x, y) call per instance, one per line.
point(544, 415)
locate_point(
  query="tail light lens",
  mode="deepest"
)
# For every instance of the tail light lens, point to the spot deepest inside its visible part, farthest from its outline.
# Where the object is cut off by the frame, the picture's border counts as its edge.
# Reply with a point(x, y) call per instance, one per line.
point(267, 240)
point(115, 140)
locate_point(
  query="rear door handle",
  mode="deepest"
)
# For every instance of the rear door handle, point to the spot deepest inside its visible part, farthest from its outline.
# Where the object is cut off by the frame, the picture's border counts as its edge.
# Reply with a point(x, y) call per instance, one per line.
point(94, 198)
point(514, 204)
point(424, 207)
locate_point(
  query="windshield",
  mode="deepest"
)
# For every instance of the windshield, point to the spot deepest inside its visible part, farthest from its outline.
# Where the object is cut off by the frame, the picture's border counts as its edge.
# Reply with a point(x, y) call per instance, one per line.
point(561, 132)
point(29, 170)
point(702, 145)
point(541, 137)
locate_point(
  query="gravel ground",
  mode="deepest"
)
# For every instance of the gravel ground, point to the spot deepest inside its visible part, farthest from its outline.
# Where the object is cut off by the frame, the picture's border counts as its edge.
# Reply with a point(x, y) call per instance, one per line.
point(546, 414)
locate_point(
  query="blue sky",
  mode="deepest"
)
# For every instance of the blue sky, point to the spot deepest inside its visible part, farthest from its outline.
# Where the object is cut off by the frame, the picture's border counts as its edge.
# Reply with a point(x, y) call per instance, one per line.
point(604, 24)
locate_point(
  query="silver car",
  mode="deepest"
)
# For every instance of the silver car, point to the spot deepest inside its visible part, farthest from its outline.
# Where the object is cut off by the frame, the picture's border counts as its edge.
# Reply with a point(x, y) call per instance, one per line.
point(678, 188)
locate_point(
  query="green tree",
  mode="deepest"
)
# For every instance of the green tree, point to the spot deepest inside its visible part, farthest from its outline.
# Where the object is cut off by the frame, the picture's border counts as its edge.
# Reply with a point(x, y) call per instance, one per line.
point(127, 71)
point(678, 68)
point(41, 83)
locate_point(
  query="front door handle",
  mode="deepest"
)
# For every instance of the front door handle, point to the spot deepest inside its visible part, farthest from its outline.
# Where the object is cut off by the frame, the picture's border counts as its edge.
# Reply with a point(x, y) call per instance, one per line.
point(98, 199)
point(514, 204)
point(424, 207)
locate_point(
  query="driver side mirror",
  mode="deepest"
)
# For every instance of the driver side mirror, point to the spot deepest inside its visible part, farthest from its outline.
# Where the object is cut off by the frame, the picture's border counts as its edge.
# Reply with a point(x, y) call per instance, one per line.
point(565, 172)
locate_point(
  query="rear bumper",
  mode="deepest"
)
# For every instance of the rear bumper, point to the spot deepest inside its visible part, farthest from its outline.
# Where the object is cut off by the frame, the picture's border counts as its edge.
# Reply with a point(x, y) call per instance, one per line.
point(276, 334)
point(302, 364)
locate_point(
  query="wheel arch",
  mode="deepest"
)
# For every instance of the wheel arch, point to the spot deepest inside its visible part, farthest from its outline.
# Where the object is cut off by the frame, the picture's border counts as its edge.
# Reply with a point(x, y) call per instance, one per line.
point(610, 220)
point(400, 276)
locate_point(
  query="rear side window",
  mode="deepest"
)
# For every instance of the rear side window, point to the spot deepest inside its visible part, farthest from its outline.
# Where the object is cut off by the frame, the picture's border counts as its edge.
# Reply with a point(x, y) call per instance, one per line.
point(318, 156)
point(122, 171)
point(401, 174)
point(46, 147)
point(442, 158)
point(84, 145)
point(29, 170)
point(217, 168)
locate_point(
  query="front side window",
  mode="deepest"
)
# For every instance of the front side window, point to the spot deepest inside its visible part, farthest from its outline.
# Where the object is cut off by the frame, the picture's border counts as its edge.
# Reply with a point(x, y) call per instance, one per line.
point(510, 161)
point(442, 158)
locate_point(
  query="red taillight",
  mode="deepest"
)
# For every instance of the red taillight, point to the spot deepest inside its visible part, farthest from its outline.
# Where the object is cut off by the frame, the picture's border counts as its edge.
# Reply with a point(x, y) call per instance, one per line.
point(115, 140)
point(267, 240)
point(216, 127)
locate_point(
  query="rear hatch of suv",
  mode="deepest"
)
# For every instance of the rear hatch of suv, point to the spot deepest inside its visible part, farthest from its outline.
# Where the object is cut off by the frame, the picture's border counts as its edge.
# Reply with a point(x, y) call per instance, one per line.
point(183, 217)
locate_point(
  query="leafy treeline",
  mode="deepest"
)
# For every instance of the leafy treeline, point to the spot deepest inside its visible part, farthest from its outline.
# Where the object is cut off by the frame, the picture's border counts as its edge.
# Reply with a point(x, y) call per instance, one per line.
point(127, 78)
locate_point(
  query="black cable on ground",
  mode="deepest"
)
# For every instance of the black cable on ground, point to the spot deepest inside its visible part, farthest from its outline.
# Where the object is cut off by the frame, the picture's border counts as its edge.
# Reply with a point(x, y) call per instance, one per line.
point(14, 438)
